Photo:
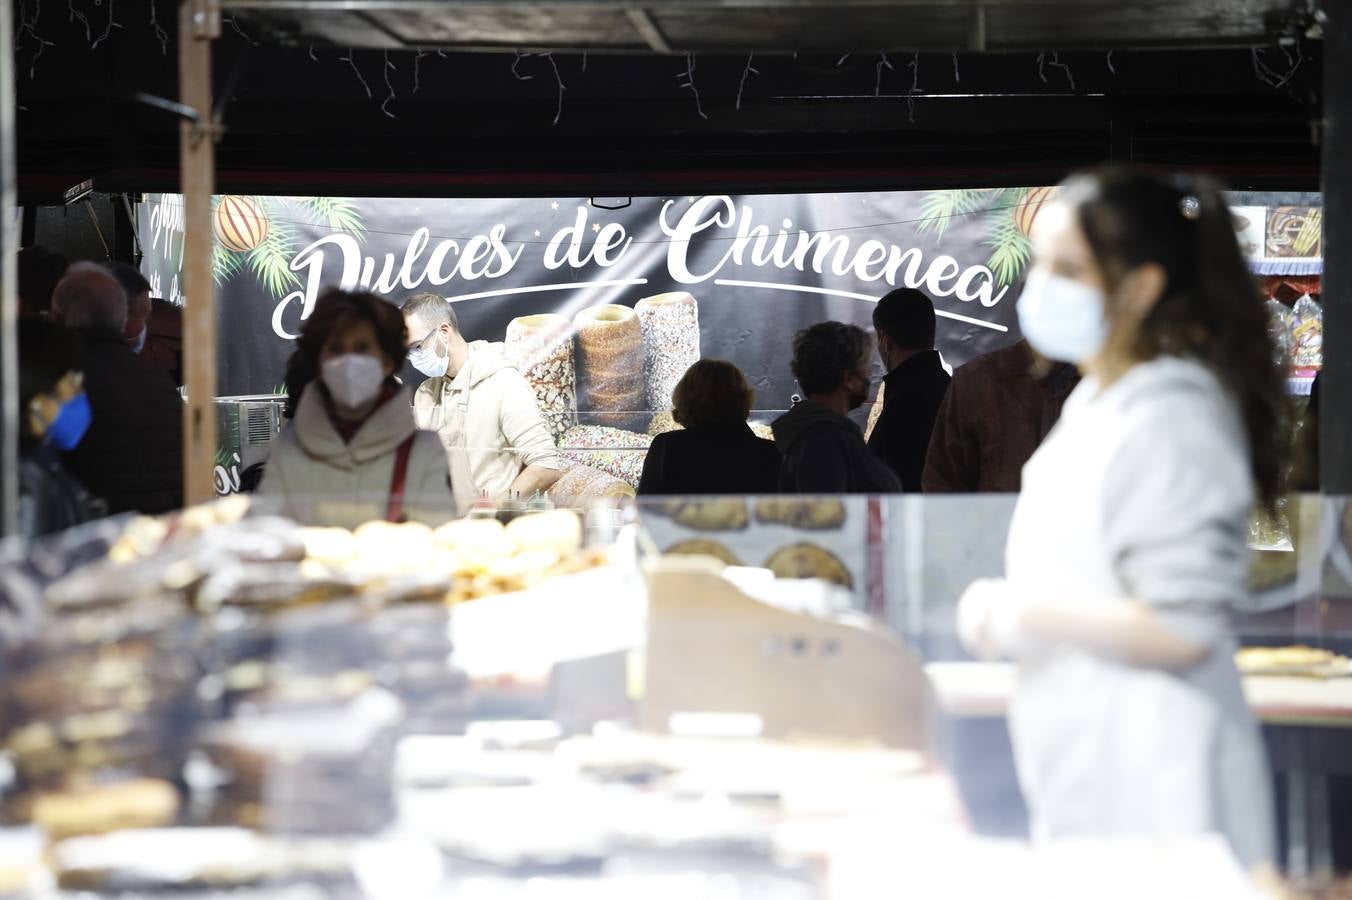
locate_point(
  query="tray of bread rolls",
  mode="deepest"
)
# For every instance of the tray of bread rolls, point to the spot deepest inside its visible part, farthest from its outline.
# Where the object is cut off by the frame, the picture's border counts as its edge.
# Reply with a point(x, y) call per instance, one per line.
point(1296, 661)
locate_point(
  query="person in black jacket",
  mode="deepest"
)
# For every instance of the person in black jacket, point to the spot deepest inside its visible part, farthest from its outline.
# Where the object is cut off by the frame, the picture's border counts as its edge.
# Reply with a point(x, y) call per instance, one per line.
point(824, 452)
point(716, 453)
point(914, 385)
point(54, 417)
point(133, 453)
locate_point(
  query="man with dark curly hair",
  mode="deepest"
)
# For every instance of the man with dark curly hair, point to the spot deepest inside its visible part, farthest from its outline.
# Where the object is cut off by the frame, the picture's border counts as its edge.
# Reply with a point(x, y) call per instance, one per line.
point(824, 452)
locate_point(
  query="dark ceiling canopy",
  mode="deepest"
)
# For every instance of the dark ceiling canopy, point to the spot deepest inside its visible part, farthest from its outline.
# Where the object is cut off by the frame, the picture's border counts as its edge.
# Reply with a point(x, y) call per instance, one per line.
point(769, 26)
point(352, 98)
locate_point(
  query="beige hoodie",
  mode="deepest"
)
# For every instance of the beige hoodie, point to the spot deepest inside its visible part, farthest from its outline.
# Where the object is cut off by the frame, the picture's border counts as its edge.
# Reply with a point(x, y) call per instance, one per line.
point(323, 481)
point(489, 423)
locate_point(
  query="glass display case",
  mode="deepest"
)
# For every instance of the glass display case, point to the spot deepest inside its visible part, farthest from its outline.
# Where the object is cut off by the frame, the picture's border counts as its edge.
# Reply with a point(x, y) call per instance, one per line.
point(702, 697)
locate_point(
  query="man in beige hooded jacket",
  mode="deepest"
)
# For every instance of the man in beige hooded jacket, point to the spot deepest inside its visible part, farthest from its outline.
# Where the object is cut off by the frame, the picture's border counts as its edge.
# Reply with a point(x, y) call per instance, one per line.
point(483, 409)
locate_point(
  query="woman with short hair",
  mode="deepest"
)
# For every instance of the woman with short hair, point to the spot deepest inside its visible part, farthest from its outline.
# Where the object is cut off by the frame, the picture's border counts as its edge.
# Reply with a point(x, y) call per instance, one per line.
point(352, 453)
point(716, 452)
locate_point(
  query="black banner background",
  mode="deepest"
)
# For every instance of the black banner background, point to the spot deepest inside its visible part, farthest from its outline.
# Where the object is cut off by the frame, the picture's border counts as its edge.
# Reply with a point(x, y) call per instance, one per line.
point(263, 288)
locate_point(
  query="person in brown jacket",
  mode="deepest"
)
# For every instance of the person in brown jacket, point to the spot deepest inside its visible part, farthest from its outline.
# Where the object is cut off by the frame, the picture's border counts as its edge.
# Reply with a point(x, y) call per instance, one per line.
point(996, 413)
point(154, 327)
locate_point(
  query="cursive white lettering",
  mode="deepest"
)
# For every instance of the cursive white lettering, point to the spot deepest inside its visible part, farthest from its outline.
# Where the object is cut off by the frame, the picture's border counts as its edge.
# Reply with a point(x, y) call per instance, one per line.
point(506, 258)
point(703, 213)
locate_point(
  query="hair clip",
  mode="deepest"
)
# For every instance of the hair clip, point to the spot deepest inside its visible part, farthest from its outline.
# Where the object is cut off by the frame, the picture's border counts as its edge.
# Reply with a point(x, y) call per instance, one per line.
point(1191, 208)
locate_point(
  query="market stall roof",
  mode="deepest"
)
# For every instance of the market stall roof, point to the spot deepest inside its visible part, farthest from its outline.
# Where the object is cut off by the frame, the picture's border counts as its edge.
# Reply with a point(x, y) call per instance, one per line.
point(774, 25)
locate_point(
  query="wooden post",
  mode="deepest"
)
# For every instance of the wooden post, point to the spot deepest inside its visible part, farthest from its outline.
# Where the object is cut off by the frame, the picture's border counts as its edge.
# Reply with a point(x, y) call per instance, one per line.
point(199, 21)
point(9, 306)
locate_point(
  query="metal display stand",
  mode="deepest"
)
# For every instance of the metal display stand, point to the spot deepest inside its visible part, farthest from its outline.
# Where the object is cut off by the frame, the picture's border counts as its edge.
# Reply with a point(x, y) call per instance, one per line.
point(9, 305)
point(1336, 381)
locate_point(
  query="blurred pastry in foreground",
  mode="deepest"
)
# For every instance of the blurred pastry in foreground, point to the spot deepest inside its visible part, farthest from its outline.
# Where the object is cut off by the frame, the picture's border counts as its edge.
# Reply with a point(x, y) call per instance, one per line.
point(712, 514)
point(704, 547)
point(809, 561)
point(141, 803)
point(1298, 660)
point(817, 515)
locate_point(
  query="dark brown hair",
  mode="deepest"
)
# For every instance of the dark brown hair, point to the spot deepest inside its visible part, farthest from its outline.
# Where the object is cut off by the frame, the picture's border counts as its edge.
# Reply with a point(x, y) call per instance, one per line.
point(335, 310)
point(1211, 308)
point(712, 393)
point(297, 379)
point(824, 353)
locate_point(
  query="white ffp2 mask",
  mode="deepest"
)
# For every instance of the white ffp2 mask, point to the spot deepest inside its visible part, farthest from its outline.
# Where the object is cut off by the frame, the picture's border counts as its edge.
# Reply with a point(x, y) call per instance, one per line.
point(1064, 319)
point(353, 379)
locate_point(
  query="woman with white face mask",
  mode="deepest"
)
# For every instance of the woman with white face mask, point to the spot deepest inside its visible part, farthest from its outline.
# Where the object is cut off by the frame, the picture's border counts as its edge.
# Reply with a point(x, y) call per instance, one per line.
point(1127, 548)
point(352, 453)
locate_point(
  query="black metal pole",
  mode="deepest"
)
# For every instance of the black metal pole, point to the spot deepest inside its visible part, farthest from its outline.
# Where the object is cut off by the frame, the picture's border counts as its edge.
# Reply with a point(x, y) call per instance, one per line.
point(1335, 383)
point(9, 302)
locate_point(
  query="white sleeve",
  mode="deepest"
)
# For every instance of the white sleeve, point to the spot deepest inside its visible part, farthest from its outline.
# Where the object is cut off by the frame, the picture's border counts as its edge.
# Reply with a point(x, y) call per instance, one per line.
point(428, 497)
point(1177, 497)
point(523, 426)
point(427, 412)
point(272, 488)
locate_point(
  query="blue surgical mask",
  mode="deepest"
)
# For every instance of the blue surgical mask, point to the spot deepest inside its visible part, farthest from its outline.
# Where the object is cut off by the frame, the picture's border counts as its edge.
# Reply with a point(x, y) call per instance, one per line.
point(424, 358)
point(71, 422)
point(1063, 319)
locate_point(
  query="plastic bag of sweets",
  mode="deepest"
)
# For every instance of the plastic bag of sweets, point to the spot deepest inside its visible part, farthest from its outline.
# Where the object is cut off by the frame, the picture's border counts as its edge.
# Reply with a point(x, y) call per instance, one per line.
point(1307, 333)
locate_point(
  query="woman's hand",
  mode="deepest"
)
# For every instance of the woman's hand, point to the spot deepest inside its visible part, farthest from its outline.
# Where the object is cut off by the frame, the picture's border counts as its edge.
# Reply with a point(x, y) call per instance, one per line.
point(990, 619)
point(1128, 631)
point(995, 621)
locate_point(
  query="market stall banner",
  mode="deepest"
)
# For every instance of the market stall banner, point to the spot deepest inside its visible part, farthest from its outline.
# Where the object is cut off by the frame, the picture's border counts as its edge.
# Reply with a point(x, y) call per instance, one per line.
point(730, 277)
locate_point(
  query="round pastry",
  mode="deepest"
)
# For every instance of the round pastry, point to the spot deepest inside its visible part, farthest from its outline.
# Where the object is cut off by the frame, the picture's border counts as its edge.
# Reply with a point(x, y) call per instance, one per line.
point(670, 343)
point(610, 365)
point(476, 540)
point(581, 484)
point(329, 545)
point(817, 515)
point(809, 561)
point(541, 347)
point(558, 530)
point(704, 547)
point(712, 514)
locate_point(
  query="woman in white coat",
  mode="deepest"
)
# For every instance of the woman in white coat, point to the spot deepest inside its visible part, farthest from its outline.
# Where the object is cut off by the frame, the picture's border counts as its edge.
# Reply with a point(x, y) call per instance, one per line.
point(1127, 548)
point(352, 453)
